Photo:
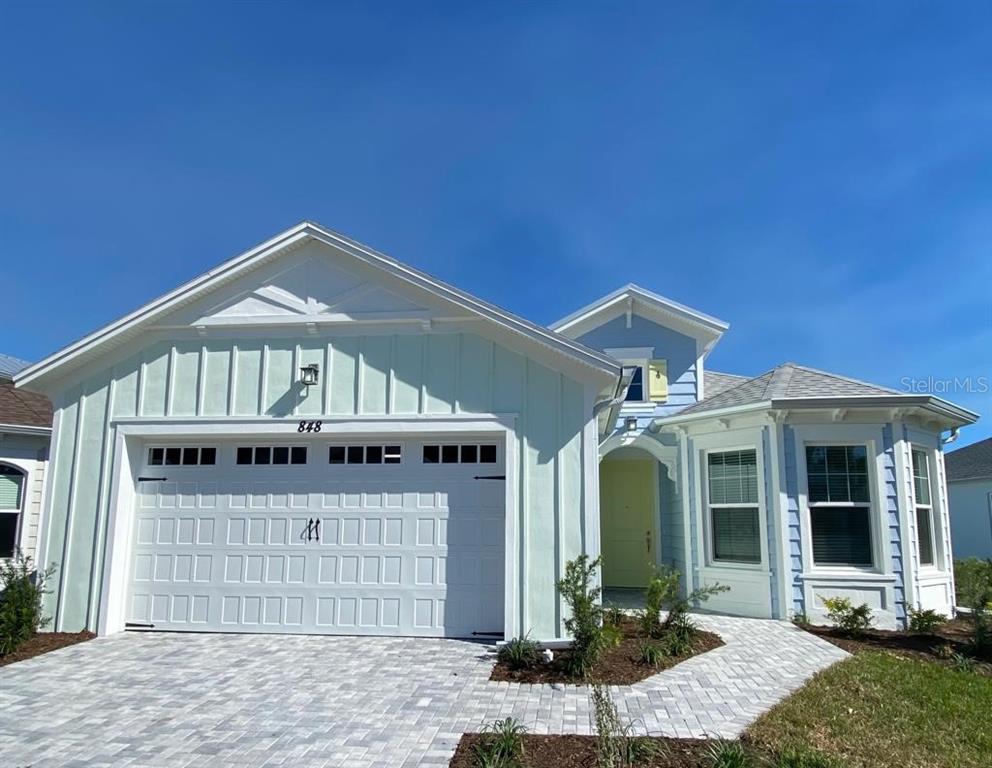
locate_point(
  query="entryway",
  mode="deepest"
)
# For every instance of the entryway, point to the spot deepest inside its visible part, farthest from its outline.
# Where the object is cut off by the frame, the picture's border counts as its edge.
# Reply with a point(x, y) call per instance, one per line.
point(629, 517)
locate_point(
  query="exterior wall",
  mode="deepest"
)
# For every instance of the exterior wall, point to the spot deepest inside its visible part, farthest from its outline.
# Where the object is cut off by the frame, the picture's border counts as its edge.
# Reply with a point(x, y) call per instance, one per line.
point(970, 504)
point(29, 453)
point(678, 349)
point(412, 373)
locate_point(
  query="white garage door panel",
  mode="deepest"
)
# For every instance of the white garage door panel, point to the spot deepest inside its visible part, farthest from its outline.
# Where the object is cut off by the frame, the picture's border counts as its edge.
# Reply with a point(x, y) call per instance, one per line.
point(402, 550)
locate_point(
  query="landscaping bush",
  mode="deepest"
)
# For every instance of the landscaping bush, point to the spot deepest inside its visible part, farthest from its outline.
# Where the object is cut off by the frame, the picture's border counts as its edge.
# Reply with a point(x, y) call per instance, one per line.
point(519, 653)
point(652, 654)
point(663, 594)
point(974, 591)
point(501, 745)
point(613, 616)
point(924, 622)
point(585, 622)
point(22, 588)
point(729, 754)
point(851, 620)
point(616, 746)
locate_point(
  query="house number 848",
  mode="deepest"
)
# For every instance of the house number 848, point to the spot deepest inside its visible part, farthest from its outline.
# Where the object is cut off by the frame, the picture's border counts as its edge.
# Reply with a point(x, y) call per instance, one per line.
point(309, 426)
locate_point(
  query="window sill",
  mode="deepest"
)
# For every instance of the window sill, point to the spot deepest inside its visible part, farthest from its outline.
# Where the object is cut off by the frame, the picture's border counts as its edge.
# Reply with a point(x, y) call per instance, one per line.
point(717, 565)
point(847, 574)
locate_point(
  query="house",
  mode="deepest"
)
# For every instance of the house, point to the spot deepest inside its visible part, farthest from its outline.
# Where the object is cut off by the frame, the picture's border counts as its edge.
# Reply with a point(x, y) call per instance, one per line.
point(315, 438)
point(969, 490)
point(25, 430)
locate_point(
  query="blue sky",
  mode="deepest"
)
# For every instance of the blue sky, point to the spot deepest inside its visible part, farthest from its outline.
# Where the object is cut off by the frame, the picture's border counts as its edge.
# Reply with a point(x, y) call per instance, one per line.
point(819, 174)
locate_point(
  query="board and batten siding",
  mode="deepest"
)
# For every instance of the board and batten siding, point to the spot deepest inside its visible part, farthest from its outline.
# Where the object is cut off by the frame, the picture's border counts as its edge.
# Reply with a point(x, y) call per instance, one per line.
point(370, 375)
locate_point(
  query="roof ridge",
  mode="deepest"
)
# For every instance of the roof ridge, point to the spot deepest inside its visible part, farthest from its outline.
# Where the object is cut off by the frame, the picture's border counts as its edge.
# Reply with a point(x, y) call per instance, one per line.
point(841, 377)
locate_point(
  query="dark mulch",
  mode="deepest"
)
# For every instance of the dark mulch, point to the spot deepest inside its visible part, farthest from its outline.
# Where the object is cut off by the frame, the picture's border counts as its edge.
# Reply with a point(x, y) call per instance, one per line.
point(620, 665)
point(44, 642)
point(580, 752)
point(926, 647)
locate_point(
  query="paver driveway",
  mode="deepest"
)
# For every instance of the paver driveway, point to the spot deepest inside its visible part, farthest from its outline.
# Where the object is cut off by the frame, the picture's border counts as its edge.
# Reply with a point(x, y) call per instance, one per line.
point(247, 700)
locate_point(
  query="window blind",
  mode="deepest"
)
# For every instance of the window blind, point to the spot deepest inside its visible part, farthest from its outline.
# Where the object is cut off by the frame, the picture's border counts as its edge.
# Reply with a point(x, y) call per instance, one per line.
point(733, 477)
point(841, 535)
point(10, 491)
point(736, 535)
point(924, 532)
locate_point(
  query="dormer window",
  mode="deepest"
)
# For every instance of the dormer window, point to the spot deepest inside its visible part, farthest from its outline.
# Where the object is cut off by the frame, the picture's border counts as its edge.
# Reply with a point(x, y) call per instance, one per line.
point(635, 392)
point(650, 381)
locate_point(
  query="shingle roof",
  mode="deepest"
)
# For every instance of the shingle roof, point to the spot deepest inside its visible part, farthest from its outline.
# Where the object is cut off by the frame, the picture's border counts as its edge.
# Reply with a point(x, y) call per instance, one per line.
point(973, 462)
point(788, 381)
point(11, 365)
point(715, 382)
point(21, 408)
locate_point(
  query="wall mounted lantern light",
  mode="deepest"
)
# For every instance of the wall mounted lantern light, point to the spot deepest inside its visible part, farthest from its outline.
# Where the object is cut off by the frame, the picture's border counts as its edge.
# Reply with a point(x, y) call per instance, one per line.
point(630, 423)
point(309, 375)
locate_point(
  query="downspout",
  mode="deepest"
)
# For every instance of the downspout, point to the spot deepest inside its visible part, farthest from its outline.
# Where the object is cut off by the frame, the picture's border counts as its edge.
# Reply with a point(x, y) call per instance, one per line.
point(619, 395)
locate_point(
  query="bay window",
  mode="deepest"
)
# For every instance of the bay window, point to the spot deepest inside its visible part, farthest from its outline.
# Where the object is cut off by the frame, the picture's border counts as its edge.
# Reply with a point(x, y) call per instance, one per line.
point(732, 486)
point(839, 498)
point(924, 507)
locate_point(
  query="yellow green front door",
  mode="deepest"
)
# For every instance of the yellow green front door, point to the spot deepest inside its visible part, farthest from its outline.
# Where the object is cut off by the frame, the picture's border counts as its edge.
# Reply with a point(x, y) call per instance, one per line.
point(626, 514)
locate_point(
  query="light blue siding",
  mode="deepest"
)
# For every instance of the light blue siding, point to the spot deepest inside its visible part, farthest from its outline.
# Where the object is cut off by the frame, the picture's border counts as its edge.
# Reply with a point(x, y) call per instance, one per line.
point(892, 527)
point(678, 349)
point(792, 517)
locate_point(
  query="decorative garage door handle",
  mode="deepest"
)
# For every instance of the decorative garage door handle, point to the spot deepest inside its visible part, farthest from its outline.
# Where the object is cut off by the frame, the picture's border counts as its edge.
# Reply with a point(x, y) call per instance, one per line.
point(313, 529)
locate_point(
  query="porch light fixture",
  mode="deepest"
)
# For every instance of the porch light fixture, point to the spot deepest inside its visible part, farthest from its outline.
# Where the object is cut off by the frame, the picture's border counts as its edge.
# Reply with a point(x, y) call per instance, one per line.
point(309, 374)
point(630, 423)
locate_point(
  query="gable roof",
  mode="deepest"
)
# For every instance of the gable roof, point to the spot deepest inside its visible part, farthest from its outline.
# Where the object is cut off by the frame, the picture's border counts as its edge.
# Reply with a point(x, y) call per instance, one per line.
point(129, 325)
point(11, 365)
point(23, 409)
point(706, 328)
point(715, 382)
point(973, 462)
point(793, 386)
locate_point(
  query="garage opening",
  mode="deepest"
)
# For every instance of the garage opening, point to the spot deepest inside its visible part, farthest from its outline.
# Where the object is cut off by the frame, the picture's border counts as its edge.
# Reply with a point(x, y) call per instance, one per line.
point(378, 537)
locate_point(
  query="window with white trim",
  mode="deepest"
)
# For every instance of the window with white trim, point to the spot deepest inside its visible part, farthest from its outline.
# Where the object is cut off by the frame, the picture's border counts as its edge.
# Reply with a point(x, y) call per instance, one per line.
point(11, 498)
point(924, 508)
point(635, 391)
point(839, 499)
point(732, 488)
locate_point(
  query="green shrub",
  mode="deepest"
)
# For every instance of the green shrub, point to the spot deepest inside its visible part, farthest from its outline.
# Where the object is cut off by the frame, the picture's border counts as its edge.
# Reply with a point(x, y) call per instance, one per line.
point(616, 746)
point(613, 616)
point(663, 594)
point(729, 754)
point(850, 619)
point(611, 636)
point(501, 745)
point(924, 622)
point(584, 623)
point(22, 588)
point(804, 757)
point(519, 653)
point(800, 620)
point(973, 582)
point(652, 653)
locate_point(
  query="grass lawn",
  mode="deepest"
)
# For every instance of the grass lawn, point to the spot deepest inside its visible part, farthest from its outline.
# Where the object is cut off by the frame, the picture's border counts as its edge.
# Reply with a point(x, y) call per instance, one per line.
point(878, 709)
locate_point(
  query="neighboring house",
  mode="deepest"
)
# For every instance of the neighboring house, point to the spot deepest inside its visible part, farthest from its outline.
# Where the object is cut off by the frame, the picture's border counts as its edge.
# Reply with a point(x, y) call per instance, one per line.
point(969, 488)
point(25, 430)
point(314, 437)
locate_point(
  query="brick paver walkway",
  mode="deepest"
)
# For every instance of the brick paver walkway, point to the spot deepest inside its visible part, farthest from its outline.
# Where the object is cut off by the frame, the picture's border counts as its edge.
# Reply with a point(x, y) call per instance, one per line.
point(251, 700)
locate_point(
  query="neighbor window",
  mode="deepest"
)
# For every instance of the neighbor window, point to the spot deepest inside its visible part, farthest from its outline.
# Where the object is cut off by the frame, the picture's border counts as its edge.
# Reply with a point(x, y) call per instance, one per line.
point(924, 507)
point(732, 483)
point(11, 495)
point(839, 505)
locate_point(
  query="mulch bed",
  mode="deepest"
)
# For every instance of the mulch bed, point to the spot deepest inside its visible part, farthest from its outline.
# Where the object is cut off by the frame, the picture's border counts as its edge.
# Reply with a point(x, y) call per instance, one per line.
point(620, 665)
point(44, 642)
point(580, 752)
point(925, 647)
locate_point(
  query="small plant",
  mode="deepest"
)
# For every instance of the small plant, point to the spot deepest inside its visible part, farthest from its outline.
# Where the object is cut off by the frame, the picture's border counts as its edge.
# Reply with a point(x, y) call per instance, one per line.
point(652, 654)
point(800, 620)
point(944, 651)
point(501, 745)
point(974, 590)
point(22, 588)
point(661, 593)
point(924, 621)
point(613, 616)
point(851, 620)
point(677, 645)
point(616, 746)
point(520, 653)
point(585, 620)
point(962, 663)
point(611, 636)
point(728, 754)
point(803, 757)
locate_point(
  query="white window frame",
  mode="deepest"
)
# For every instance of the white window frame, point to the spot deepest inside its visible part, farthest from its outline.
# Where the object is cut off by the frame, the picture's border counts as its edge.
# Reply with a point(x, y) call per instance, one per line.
point(21, 510)
point(844, 435)
point(640, 357)
point(936, 539)
point(749, 439)
point(711, 558)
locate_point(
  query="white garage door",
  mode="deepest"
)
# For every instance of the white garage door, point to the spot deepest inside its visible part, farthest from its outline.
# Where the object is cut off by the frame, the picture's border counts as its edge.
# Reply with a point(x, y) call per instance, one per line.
point(386, 538)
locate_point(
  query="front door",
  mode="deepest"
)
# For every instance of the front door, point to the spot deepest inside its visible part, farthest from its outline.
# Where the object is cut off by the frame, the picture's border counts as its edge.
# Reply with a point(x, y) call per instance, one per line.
point(627, 511)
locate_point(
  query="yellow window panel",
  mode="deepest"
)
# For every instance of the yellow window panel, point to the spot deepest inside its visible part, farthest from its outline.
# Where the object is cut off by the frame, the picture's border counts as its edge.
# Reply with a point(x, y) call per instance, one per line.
point(658, 380)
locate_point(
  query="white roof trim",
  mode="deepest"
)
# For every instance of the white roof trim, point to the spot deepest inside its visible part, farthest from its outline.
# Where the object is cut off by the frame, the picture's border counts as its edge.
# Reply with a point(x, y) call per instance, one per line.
point(295, 236)
point(701, 325)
